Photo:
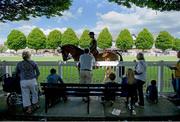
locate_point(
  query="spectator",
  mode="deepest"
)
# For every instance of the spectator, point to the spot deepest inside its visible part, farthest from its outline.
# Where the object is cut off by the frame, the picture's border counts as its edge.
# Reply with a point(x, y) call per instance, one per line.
point(131, 89)
point(86, 62)
point(152, 93)
point(28, 72)
point(176, 79)
point(140, 76)
point(109, 95)
point(54, 78)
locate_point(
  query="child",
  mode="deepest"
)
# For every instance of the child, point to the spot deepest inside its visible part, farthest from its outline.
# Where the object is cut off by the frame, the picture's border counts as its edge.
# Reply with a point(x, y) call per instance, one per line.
point(131, 89)
point(152, 93)
point(109, 95)
point(54, 78)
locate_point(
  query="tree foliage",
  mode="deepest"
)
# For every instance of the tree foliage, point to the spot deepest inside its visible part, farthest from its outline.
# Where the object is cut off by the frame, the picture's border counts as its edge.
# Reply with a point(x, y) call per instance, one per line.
point(14, 10)
point(124, 40)
point(160, 5)
point(176, 45)
point(85, 39)
point(3, 48)
point(164, 41)
point(104, 39)
point(144, 40)
point(16, 40)
point(69, 37)
point(54, 39)
point(36, 39)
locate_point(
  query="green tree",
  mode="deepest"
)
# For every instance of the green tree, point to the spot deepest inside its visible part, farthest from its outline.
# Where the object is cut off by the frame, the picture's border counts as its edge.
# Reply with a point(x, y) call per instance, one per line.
point(161, 5)
point(176, 44)
point(3, 48)
point(124, 40)
point(104, 39)
point(164, 41)
point(16, 40)
point(85, 39)
point(14, 10)
point(144, 40)
point(54, 39)
point(69, 37)
point(36, 39)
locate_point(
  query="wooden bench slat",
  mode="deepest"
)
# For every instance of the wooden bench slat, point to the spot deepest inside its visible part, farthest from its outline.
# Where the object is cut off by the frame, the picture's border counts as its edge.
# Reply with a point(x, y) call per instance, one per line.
point(78, 90)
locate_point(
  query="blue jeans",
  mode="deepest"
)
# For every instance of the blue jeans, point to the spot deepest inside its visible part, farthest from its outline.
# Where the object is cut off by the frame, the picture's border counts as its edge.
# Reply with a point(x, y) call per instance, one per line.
point(176, 86)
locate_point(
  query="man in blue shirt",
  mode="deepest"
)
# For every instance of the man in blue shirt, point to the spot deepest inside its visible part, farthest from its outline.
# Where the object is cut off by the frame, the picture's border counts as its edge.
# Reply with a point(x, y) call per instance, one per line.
point(86, 61)
point(86, 64)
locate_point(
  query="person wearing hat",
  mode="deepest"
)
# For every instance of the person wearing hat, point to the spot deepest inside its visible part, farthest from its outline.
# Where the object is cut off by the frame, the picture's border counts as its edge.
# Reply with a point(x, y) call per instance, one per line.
point(93, 44)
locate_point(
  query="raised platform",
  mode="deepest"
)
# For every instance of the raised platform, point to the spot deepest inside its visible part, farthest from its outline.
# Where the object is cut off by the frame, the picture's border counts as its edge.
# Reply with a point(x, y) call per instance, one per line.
point(75, 109)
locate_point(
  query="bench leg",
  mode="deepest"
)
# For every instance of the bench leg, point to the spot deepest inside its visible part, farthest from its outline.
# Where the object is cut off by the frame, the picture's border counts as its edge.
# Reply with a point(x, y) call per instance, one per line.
point(46, 104)
point(88, 104)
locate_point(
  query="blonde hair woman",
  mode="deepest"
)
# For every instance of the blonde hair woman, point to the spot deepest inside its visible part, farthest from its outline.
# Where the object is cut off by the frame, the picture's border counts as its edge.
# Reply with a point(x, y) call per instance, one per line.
point(131, 89)
point(130, 76)
point(28, 72)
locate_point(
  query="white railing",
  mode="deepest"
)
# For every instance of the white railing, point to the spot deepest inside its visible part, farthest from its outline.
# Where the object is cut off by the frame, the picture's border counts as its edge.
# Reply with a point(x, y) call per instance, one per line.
point(68, 70)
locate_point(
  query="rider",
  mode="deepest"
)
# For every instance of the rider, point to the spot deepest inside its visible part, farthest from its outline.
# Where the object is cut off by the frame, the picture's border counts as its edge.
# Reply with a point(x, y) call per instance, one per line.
point(93, 44)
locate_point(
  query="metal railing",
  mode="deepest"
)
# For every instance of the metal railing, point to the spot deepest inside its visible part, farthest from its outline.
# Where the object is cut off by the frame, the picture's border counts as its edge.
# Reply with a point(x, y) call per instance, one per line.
point(156, 70)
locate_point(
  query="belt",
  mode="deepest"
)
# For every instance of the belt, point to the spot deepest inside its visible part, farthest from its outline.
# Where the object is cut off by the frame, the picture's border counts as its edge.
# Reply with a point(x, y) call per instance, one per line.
point(86, 69)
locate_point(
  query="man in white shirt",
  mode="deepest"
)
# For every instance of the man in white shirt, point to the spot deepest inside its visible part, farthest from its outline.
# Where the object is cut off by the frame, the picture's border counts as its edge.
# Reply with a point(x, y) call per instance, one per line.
point(87, 62)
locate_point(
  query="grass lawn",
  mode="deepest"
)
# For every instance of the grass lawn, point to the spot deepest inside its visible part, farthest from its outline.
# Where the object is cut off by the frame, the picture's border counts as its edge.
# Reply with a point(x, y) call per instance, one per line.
point(70, 74)
point(59, 58)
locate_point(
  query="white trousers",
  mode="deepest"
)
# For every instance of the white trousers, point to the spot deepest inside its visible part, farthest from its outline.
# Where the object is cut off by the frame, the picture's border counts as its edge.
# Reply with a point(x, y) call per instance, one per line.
point(29, 89)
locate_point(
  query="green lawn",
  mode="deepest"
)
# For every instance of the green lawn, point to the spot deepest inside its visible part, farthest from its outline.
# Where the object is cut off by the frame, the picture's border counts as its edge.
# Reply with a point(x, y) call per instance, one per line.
point(58, 58)
point(70, 74)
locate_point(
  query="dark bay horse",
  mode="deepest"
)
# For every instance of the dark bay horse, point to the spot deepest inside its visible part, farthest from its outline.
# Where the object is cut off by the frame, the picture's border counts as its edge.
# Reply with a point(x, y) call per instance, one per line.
point(75, 52)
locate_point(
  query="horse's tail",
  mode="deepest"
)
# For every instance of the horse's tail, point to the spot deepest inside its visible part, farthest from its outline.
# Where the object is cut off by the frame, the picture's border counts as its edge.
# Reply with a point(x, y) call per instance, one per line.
point(121, 68)
point(119, 54)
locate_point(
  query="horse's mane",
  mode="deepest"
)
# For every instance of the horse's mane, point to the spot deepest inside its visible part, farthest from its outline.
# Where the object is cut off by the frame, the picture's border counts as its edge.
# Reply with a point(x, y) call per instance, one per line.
point(72, 46)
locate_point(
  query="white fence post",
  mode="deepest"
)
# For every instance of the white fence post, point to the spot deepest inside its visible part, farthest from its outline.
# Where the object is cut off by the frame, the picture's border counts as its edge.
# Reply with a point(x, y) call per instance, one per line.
point(60, 69)
point(119, 71)
point(5, 67)
point(160, 76)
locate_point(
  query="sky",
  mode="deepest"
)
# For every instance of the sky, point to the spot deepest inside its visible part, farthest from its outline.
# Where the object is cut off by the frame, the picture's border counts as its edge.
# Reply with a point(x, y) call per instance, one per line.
point(98, 14)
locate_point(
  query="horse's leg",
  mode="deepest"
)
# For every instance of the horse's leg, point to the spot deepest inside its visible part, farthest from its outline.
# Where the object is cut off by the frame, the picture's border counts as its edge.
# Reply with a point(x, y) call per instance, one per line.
point(108, 71)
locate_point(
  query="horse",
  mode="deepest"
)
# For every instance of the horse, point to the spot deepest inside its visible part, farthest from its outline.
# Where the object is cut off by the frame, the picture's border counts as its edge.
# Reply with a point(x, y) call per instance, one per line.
point(75, 52)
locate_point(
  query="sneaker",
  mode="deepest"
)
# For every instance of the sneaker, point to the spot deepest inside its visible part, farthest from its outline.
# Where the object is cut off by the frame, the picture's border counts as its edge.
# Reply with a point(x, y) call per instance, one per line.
point(133, 112)
point(137, 104)
point(141, 106)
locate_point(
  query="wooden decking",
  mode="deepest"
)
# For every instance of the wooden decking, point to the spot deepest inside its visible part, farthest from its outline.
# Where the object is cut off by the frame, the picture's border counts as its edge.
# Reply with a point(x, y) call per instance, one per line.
point(75, 109)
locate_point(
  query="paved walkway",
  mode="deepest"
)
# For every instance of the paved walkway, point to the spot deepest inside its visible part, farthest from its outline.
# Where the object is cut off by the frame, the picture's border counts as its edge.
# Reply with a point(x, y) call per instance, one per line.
point(75, 109)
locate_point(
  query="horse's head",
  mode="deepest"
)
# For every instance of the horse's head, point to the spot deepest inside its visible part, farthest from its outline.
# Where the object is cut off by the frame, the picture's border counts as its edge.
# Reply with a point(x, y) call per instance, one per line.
point(64, 53)
point(70, 51)
point(59, 49)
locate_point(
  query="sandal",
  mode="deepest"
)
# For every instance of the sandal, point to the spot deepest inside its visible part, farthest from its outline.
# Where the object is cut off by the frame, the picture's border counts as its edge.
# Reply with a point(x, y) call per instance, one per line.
point(28, 110)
